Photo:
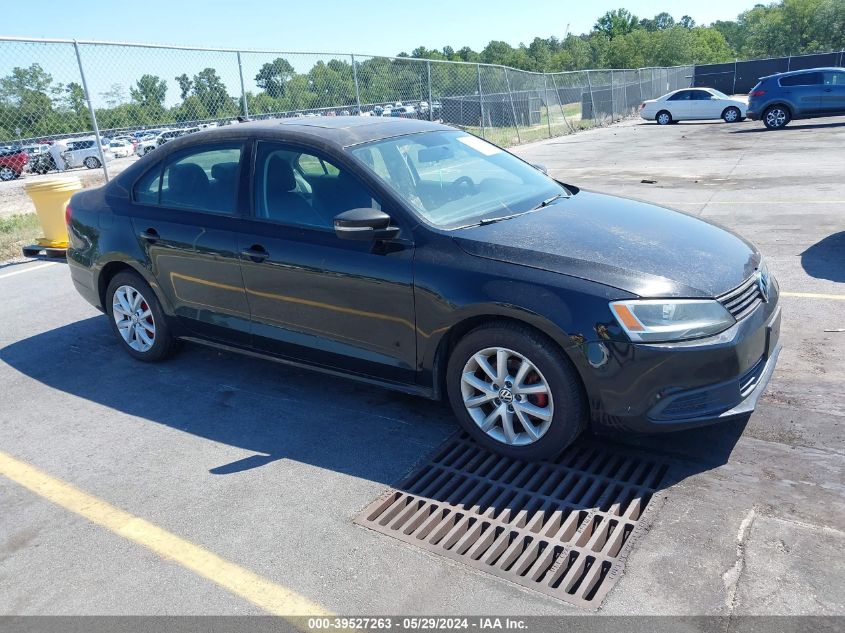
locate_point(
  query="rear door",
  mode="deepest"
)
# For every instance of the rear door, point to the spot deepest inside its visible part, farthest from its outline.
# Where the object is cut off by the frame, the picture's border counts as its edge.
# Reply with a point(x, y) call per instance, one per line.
point(186, 215)
point(679, 105)
point(804, 92)
point(833, 92)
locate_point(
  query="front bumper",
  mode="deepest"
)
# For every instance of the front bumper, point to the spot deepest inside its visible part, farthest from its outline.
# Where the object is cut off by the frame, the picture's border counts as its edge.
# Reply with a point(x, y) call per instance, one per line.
point(664, 387)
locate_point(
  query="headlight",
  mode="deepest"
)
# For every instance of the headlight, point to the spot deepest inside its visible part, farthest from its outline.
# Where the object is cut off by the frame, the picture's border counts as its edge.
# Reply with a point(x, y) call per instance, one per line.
point(664, 320)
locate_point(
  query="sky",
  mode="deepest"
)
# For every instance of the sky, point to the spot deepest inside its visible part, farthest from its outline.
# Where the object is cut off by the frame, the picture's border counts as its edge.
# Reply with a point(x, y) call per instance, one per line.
point(377, 27)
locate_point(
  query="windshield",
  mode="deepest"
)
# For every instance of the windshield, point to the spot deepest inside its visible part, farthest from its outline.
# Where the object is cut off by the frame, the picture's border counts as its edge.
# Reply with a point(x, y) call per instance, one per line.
point(454, 179)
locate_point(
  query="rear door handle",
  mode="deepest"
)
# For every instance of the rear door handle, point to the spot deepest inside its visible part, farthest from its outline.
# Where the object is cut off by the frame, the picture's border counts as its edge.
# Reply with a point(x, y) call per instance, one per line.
point(150, 235)
point(256, 253)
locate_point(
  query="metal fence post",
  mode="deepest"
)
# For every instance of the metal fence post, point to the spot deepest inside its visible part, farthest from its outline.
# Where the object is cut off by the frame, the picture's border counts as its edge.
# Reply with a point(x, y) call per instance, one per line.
point(430, 100)
point(355, 80)
point(548, 107)
point(480, 99)
point(640, 82)
point(243, 89)
point(733, 90)
point(91, 110)
point(592, 101)
point(612, 100)
point(513, 109)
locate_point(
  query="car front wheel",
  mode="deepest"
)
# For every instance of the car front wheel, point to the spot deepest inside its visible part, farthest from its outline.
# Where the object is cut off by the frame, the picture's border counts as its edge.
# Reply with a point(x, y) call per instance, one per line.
point(137, 319)
point(776, 117)
point(515, 392)
point(91, 162)
point(731, 115)
point(7, 173)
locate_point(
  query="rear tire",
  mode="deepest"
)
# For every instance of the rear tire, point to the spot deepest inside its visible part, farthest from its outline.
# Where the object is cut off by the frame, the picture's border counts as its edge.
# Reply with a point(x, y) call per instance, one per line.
point(663, 118)
point(776, 117)
point(91, 162)
point(732, 115)
point(537, 410)
point(136, 318)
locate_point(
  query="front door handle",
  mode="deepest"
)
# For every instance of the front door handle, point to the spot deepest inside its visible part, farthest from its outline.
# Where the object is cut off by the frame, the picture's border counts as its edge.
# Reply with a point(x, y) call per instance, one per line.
point(256, 253)
point(150, 235)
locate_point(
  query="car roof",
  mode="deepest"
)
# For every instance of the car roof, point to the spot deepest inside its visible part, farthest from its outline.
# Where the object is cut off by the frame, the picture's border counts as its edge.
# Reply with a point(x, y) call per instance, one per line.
point(805, 70)
point(341, 131)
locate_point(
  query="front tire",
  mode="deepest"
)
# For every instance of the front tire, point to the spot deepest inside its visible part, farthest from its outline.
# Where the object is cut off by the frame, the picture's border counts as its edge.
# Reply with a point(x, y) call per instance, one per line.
point(136, 318)
point(515, 392)
point(776, 117)
point(91, 162)
point(7, 173)
point(731, 115)
point(663, 118)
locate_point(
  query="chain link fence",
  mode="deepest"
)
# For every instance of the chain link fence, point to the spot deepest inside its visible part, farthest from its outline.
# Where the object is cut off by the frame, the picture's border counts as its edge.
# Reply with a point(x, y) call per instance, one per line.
point(93, 107)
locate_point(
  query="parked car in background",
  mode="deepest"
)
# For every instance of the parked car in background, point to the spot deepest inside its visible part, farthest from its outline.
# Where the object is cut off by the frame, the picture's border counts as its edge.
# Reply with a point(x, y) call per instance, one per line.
point(13, 161)
point(146, 144)
point(84, 152)
point(120, 148)
point(168, 135)
point(800, 94)
point(691, 104)
point(416, 256)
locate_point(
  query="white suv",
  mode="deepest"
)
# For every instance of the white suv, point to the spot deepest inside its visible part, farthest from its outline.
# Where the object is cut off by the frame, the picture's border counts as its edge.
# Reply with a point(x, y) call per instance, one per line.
point(84, 151)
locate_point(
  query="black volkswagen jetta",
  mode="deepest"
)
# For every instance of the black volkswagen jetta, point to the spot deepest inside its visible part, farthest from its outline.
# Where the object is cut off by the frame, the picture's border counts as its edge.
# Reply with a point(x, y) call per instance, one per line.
point(418, 257)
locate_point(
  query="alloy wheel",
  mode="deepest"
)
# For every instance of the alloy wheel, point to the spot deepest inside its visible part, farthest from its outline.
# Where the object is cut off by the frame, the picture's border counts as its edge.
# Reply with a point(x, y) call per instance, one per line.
point(134, 318)
point(6, 173)
point(776, 117)
point(507, 396)
point(731, 115)
point(663, 118)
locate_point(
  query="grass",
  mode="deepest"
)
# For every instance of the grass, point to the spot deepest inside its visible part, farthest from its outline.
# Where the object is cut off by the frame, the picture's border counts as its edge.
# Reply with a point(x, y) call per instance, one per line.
point(17, 231)
point(561, 124)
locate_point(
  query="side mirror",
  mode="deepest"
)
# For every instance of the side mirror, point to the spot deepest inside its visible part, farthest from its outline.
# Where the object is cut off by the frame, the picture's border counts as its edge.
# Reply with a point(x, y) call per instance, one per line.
point(541, 168)
point(364, 224)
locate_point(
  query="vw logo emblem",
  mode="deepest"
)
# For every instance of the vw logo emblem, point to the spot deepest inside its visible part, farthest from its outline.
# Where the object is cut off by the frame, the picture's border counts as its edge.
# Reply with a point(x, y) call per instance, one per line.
point(763, 284)
point(506, 395)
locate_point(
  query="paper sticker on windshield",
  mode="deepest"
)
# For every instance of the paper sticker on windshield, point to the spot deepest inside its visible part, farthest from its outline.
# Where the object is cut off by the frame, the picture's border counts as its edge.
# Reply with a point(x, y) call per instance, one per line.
point(479, 145)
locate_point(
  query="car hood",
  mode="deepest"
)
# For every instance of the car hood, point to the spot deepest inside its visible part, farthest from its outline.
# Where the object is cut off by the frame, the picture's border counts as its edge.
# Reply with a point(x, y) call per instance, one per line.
point(641, 248)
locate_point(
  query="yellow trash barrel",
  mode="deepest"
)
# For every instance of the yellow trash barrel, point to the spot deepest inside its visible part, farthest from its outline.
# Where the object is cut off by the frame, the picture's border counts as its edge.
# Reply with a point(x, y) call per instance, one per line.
point(51, 197)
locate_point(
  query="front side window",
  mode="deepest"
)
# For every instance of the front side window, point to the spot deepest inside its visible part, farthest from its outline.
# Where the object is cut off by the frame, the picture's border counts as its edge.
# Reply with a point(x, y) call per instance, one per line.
point(683, 95)
point(302, 189)
point(453, 179)
point(834, 79)
point(203, 179)
point(701, 95)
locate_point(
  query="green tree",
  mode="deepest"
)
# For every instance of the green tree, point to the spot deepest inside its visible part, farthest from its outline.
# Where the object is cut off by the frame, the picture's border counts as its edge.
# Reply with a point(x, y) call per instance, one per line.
point(211, 93)
point(185, 85)
point(149, 92)
point(616, 23)
point(273, 77)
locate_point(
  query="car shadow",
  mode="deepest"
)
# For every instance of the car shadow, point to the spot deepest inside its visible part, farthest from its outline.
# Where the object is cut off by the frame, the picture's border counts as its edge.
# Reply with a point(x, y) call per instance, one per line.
point(791, 126)
point(276, 412)
point(826, 258)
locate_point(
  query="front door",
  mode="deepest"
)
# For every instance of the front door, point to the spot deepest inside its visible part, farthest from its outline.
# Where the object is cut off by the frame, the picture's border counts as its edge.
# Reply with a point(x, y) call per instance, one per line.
point(185, 215)
point(833, 92)
point(315, 297)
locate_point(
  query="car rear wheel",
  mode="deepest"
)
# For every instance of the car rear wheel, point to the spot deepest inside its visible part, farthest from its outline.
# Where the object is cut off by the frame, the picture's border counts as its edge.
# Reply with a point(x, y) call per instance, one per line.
point(7, 173)
point(731, 115)
point(515, 392)
point(91, 162)
point(776, 117)
point(663, 118)
point(137, 319)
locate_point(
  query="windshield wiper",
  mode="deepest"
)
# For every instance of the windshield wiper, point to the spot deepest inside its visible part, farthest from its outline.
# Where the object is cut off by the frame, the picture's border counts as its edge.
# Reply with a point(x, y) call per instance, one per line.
point(486, 221)
point(548, 201)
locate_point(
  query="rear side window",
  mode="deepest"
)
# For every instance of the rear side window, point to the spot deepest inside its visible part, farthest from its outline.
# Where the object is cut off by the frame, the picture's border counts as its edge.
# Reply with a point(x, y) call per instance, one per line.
point(203, 179)
point(805, 79)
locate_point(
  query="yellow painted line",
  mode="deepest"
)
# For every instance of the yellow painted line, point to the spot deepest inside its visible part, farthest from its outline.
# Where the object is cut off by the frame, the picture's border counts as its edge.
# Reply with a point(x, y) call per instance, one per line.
point(28, 269)
point(813, 295)
point(271, 597)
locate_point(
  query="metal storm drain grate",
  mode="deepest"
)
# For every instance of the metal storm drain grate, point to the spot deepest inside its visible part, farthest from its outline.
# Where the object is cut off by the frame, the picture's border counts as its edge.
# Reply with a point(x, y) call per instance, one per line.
point(563, 528)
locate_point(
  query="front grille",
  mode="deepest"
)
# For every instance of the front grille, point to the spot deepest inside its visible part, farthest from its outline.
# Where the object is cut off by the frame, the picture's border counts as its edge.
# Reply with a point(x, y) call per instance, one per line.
point(742, 301)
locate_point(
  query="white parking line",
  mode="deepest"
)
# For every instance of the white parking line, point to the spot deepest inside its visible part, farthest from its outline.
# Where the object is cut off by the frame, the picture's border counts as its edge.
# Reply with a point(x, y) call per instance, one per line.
point(29, 269)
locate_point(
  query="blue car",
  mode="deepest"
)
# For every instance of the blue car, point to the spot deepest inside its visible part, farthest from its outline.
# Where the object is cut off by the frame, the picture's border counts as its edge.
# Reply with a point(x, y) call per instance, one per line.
point(800, 94)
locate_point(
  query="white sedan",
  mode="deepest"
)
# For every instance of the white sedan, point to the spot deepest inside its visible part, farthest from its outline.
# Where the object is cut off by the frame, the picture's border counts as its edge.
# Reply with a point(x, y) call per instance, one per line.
point(692, 104)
